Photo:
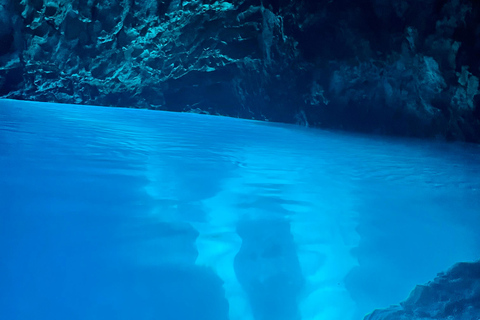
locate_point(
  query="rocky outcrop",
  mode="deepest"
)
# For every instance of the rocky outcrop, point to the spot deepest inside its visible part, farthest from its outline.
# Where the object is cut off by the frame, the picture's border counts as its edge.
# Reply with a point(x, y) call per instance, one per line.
point(452, 295)
point(398, 67)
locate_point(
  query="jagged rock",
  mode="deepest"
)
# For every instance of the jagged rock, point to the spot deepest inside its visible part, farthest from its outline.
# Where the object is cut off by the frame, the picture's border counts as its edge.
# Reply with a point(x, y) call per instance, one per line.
point(454, 294)
point(398, 67)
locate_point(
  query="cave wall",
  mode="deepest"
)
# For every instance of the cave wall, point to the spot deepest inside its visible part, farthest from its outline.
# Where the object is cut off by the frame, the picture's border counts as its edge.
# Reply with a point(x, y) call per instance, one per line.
point(398, 67)
point(454, 294)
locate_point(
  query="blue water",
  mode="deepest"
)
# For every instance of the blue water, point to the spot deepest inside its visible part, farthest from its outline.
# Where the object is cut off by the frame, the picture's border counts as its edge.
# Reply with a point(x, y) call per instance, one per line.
point(131, 214)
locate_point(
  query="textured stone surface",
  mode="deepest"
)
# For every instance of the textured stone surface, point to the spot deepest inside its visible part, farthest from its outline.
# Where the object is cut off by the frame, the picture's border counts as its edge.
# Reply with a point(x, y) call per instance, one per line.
point(395, 67)
point(452, 295)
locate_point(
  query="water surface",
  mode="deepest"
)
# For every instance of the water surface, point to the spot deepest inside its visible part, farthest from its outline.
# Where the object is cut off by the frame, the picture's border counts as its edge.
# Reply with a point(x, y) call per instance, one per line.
point(131, 214)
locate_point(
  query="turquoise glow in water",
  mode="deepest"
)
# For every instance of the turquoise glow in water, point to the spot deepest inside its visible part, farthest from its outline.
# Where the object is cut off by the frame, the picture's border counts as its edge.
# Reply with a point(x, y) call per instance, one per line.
point(132, 214)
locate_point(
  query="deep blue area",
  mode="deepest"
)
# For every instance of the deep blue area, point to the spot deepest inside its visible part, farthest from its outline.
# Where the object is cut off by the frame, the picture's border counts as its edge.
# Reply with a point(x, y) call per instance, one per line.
point(64, 197)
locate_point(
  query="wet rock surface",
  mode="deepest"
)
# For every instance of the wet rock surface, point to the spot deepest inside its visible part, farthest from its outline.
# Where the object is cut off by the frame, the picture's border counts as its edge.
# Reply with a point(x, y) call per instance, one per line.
point(399, 67)
point(452, 295)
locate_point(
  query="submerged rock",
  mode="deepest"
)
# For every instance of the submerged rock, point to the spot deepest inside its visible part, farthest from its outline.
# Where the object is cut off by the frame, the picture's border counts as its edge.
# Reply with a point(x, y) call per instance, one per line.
point(397, 67)
point(454, 294)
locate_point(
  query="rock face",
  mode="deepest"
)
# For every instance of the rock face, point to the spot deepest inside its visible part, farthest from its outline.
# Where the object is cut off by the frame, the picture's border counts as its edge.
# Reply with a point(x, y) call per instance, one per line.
point(399, 67)
point(452, 295)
